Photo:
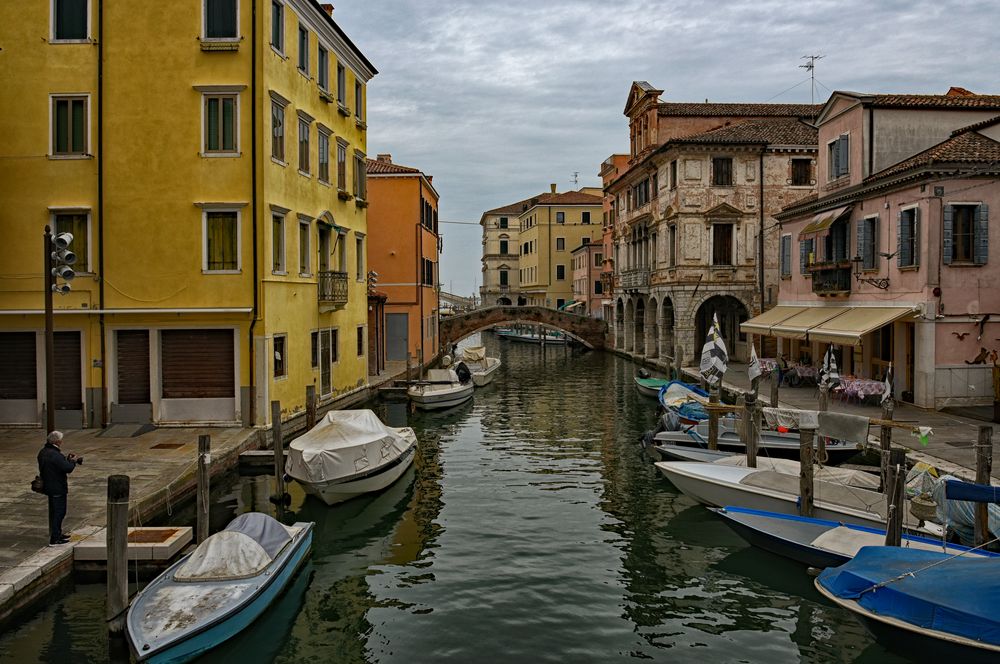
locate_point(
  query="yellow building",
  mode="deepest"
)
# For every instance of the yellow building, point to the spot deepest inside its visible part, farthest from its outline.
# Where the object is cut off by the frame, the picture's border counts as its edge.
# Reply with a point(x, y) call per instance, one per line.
point(552, 225)
point(208, 156)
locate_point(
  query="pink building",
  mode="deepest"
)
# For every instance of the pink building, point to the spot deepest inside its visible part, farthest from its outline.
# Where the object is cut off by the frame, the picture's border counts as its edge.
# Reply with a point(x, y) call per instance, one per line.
point(611, 169)
point(588, 289)
point(890, 261)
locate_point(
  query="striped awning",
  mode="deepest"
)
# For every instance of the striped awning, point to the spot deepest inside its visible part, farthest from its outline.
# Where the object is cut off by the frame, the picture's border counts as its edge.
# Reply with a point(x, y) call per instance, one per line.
point(762, 324)
point(849, 328)
point(823, 221)
point(798, 326)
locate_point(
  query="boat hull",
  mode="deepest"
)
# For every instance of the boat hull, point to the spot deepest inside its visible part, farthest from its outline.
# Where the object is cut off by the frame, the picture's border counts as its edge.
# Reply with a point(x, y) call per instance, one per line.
point(438, 399)
point(485, 376)
point(769, 445)
point(337, 491)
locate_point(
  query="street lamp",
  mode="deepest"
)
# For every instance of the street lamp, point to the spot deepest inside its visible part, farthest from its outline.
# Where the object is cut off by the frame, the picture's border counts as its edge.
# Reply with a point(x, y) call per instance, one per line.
point(57, 261)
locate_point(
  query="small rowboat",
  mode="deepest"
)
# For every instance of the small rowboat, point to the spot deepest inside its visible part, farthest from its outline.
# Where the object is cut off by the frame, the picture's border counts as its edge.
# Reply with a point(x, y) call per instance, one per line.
point(217, 590)
point(649, 387)
point(687, 401)
point(483, 368)
point(442, 389)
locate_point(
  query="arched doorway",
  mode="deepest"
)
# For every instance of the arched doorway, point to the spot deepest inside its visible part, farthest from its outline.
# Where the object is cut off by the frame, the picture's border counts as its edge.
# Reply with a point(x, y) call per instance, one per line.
point(629, 326)
point(619, 324)
point(503, 302)
point(653, 330)
point(667, 328)
point(731, 313)
point(640, 327)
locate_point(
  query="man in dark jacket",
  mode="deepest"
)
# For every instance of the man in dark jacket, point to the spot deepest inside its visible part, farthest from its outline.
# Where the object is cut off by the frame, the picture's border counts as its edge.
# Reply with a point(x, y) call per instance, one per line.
point(53, 468)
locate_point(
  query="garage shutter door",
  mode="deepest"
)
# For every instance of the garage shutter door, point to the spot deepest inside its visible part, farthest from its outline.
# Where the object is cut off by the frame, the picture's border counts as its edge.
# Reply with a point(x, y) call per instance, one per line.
point(67, 374)
point(17, 366)
point(133, 366)
point(197, 364)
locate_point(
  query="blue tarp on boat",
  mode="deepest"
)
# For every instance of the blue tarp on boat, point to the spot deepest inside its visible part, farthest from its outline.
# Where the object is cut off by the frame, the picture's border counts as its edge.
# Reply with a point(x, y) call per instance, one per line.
point(979, 493)
point(959, 596)
point(682, 398)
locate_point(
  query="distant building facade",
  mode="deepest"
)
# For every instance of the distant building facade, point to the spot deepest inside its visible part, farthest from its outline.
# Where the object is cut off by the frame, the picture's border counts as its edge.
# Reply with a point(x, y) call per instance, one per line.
point(588, 289)
point(612, 167)
point(501, 255)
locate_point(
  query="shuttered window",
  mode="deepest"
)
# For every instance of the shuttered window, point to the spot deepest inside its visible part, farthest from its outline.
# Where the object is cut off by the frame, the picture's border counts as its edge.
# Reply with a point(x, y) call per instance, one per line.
point(220, 123)
point(69, 125)
point(278, 25)
point(197, 364)
point(70, 20)
point(839, 152)
point(868, 243)
point(222, 241)
point(807, 254)
point(220, 19)
point(908, 238)
point(966, 234)
point(17, 357)
point(277, 131)
point(786, 256)
point(303, 49)
point(801, 172)
point(67, 371)
point(133, 366)
point(722, 244)
point(722, 171)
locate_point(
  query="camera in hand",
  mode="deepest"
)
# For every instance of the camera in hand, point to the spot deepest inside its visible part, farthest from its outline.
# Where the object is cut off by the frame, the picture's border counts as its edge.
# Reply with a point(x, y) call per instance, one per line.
point(79, 460)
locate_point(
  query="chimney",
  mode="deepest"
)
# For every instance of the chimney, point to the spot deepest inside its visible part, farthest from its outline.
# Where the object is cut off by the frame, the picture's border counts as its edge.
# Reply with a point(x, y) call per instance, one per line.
point(385, 158)
point(327, 7)
point(955, 91)
point(552, 187)
point(430, 178)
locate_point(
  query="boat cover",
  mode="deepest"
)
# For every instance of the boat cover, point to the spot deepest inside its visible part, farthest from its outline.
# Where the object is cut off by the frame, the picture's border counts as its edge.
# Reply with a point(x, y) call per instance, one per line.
point(960, 515)
point(474, 353)
point(247, 545)
point(979, 493)
point(686, 400)
point(265, 530)
point(345, 443)
point(958, 596)
point(652, 383)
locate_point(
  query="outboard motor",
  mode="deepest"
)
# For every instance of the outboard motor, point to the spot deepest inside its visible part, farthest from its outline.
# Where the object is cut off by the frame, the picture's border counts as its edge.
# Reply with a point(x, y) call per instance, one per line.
point(463, 373)
point(669, 421)
point(643, 373)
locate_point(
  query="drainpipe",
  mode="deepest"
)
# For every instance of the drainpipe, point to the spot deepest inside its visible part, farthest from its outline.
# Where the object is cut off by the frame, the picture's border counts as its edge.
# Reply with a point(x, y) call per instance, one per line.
point(760, 233)
point(420, 273)
point(253, 199)
point(100, 210)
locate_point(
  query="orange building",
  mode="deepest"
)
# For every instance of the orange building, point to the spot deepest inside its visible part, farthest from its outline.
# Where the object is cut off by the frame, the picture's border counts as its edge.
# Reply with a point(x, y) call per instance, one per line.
point(403, 248)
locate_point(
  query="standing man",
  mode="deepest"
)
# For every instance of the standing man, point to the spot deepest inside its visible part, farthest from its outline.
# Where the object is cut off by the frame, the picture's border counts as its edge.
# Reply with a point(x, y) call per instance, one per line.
point(53, 468)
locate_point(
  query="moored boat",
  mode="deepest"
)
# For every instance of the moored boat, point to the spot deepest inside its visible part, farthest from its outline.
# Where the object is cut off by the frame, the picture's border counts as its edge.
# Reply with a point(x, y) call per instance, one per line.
point(217, 590)
point(349, 453)
point(443, 388)
point(771, 443)
point(855, 478)
point(648, 386)
point(687, 401)
point(483, 368)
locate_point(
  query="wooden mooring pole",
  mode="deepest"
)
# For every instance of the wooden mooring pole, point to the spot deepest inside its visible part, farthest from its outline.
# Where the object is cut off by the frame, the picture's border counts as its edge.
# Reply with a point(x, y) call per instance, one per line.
point(806, 472)
point(310, 406)
point(751, 419)
point(117, 547)
point(204, 488)
point(280, 496)
point(895, 488)
point(984, 466)
point(713, 418)
point(775, 379)
point(885, 440)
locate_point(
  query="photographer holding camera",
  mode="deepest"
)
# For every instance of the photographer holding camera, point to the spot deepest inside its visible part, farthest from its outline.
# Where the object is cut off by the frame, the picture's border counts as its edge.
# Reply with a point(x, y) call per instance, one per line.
point(53, 468)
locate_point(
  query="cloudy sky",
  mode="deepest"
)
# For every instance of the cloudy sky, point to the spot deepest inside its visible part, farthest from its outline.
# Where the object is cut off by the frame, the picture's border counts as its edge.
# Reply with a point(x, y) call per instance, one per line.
point(498, 99)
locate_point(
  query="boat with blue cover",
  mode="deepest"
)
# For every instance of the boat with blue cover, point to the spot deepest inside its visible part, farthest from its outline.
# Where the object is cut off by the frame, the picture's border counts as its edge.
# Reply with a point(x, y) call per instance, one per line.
point(216, 591)
point(687, 401)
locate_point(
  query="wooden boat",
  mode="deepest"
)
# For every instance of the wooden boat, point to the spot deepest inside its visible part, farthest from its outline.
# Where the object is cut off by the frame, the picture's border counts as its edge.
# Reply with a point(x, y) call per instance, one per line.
point(687, 401)
point(531, 338)
point(820, 542)
point(442, 389)
point(216, 591)
point(483, 368)
point(349, 453)
point(855, 478)
point(930, 606)
point(772, 443)
point(649, 387)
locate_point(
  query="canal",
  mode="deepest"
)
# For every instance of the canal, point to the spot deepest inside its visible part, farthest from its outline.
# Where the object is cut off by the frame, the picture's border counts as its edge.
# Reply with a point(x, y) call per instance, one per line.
point(530, 529)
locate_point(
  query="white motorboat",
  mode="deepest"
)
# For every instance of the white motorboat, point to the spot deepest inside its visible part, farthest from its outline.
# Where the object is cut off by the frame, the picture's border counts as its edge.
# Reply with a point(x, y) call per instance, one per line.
point(443, 388)
point(718, 485)
point(483, 368)
point(349, 453)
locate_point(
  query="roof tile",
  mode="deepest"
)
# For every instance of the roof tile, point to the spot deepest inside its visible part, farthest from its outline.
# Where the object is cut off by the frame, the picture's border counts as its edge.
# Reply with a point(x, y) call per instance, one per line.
point(376, 167)
point(966, 148)
point(774, 131)
point(740, 109)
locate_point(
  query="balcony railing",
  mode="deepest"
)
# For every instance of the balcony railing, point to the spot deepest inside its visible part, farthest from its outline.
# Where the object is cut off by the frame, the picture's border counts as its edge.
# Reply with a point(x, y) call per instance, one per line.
point(635, 278)
point(831, 278)
point(503, 288)
point(333, 288)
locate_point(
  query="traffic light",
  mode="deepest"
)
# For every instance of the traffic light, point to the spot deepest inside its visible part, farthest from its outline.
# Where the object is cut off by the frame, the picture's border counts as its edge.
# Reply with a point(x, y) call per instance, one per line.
point(61, 258)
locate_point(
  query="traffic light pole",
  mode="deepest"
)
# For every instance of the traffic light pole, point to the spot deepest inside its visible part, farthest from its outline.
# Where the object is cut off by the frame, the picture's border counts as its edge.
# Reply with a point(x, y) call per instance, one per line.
point(50, 374)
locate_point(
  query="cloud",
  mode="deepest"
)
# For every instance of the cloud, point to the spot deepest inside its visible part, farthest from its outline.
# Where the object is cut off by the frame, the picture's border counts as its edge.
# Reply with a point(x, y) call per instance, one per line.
point(498, 99)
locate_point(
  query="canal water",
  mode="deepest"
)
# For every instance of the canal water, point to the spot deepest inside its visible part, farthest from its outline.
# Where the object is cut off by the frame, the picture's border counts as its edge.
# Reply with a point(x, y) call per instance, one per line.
point(530, 529)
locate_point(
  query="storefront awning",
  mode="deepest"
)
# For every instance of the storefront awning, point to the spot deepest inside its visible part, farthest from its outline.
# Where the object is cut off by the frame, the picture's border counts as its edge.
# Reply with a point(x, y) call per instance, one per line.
point(848, 328)
point(823, 221)
point(798, 326)
point(762, 324)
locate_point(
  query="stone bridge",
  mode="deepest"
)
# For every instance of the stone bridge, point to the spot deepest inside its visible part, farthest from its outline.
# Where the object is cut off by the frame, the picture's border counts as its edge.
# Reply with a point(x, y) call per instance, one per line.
point(591, 331)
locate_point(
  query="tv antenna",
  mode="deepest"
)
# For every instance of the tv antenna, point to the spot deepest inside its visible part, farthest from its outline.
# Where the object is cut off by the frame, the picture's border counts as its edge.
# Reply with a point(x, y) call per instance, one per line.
point(576, 178)
point(811, 68)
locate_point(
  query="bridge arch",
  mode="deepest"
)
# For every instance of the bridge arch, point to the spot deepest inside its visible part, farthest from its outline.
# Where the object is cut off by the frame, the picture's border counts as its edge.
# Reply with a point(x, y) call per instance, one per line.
point(592, 332)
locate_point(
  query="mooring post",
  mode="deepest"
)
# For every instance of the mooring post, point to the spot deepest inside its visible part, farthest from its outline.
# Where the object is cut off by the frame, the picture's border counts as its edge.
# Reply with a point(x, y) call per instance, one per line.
point(117, 546)
point(775, 379)
point(824, 405)
point(204, 459)
point(751, 428)
point(409, 362)
point(806, 472)
point(885, 440)
point(824, 398)
point(713, 418)
point(741, 423)
point(984, 466)
point(310, 406)
point(895, 495)
point(279, 452)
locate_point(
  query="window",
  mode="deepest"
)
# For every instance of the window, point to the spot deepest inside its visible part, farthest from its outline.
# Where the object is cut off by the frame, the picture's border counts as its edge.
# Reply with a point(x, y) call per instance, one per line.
point(221, 19)
point(303, 50)
point(560, 217)
point(341, 165)
point(360, 184)
point(598, 260)
point(341, 252)
point(305, 264)
point(672, 248)
point(801, 172)
point(341, 85)
point(70, 20)
point(585, 217)
point(966, 233)
point(673, 174)
point(838, 157)
point(278, 244)
point(76, 223)
point(278, 25)
point(868, 243)
point(503, 246)
point(598, 287)
point(503, 222)
point(503, 278)
point(807, 254)
point(323, 69)
point(334, 345)
point(303, 146)
point(907, 238)
point(722, 244)
point(560, 302)
point(560, 244)
point(361, 340)
point(220, 123)
point(323, 146)
point(69, 126)
point(222, 243)
point(428, 272)
point(278, 131)
point(280, 359)
point(722, 171)
point(359, 257)
point(560, 272)
point(785, 259)
point(314, 350)
point(358, 104)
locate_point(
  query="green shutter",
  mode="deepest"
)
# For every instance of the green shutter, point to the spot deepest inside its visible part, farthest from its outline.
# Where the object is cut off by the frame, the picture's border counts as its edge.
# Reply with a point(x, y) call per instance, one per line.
point(212, 135)
point(948, 245)
point(902, 246)
point(79, 126)
point(916, 236)
point(982, 234)
point(803, 256)
point(228, 124)
point(220, 19)
point(62, 127)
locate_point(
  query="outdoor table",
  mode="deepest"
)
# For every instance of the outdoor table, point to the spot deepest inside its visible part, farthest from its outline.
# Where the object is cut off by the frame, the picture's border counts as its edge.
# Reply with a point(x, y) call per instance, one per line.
point(767, 365)
point(862, 387)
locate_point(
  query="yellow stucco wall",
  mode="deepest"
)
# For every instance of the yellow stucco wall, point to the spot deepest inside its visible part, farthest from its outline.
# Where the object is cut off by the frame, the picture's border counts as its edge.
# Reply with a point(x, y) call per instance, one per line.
point(545, 289)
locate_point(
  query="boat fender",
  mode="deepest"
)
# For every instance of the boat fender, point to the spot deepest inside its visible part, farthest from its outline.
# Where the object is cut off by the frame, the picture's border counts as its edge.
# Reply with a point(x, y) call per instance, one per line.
point(463, 373)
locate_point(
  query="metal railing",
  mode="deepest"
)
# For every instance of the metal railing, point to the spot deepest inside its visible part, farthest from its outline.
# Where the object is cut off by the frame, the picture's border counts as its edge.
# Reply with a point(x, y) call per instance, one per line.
point(333, 287)
point(830, 279)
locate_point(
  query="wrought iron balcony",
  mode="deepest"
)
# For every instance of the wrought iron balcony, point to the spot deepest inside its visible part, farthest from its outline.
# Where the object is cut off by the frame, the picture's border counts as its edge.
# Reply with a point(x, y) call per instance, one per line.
point(333, 288)
point(635, 278)
point(831, 278)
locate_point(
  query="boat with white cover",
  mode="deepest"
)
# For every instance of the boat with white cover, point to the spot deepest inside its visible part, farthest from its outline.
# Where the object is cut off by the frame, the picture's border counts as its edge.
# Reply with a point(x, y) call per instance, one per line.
point(483, 368)
point(443, 388)
point(349, 453)
point(216, 591)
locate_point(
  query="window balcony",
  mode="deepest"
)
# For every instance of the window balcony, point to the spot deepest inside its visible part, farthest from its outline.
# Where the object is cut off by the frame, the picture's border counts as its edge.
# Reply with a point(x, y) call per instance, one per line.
point(832, 278)
point(635, 278)
point(333, 288)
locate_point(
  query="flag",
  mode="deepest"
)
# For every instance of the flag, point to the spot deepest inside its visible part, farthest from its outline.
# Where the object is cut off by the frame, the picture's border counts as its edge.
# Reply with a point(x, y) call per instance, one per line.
point(714, 358)
point(887, 391)
point(754, 369)
point(828, 372)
